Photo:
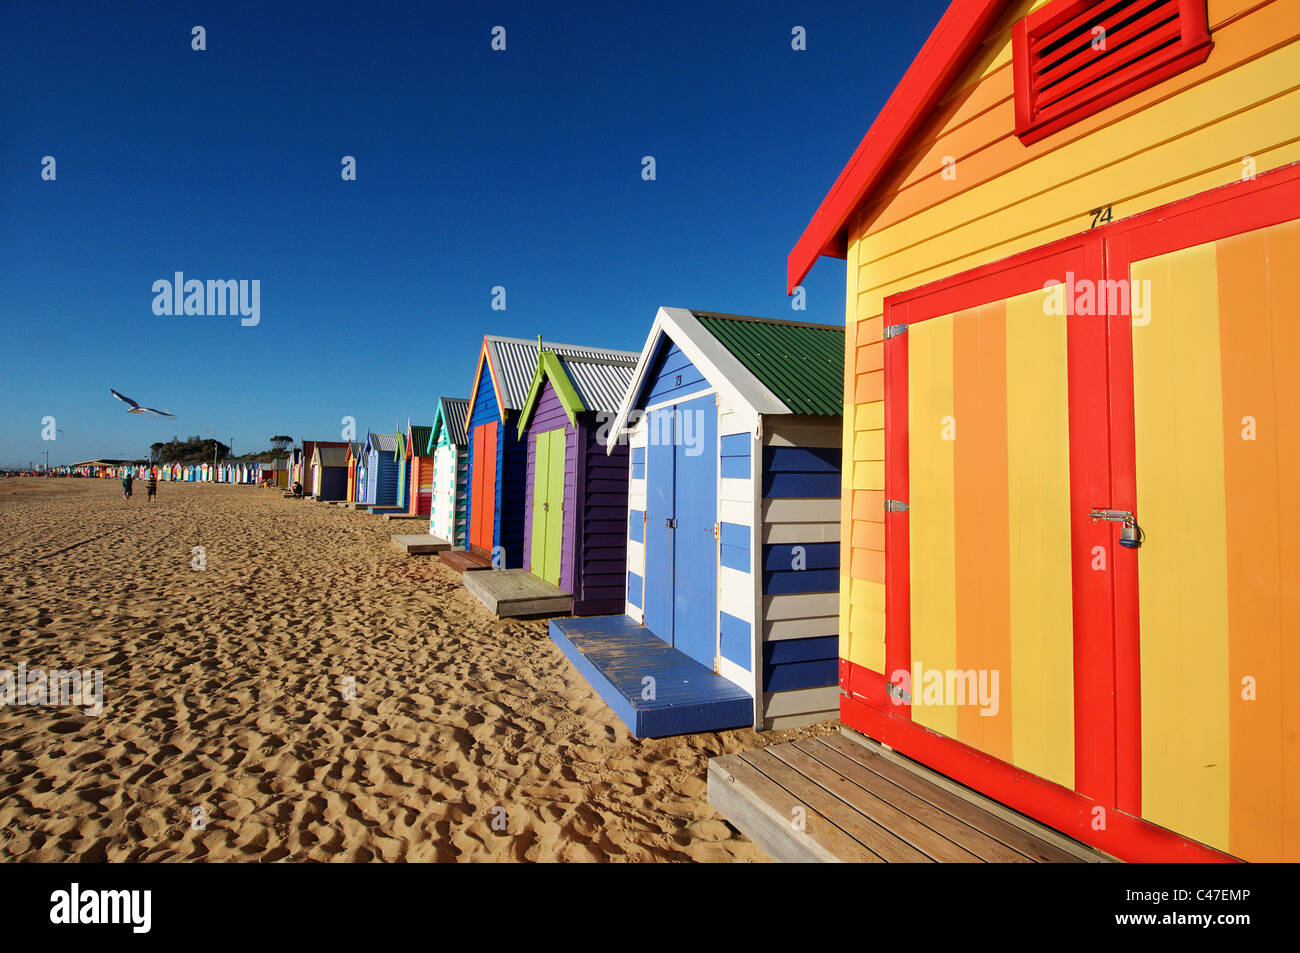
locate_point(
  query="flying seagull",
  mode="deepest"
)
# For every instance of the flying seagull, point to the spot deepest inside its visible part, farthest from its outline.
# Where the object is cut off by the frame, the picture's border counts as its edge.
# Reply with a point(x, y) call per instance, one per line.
point(136, 408)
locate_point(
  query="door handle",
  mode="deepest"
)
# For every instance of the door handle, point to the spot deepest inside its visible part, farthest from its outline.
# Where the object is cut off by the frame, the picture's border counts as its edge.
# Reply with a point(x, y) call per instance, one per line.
point(671, 522)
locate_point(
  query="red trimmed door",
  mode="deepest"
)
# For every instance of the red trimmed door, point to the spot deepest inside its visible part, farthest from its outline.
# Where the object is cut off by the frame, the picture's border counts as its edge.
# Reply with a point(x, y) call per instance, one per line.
point(483, 490)
point(1206, 389)
point(996, 432)
point(1158, 683)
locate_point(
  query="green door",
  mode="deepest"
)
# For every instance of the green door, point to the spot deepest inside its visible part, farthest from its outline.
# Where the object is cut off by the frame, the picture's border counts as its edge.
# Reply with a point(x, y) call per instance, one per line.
point(548, 504)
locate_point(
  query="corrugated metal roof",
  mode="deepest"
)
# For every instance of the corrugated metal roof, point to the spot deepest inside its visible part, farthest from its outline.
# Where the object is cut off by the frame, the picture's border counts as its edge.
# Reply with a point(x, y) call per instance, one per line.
point(600, 384)
point(515, 361)
point(802, 364)
point(455, 410)
point(383, 442)
point(420, 440)
point(333, 456)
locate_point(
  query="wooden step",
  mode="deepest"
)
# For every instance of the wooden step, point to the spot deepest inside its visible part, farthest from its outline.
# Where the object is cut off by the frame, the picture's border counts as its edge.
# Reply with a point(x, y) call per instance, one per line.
point(842, 798)
point(462, 560)
point(420, 544)
point(509, 593)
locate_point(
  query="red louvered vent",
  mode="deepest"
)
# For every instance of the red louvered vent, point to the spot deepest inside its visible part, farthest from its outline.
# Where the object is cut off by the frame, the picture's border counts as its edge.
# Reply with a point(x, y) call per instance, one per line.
point(1073, 58)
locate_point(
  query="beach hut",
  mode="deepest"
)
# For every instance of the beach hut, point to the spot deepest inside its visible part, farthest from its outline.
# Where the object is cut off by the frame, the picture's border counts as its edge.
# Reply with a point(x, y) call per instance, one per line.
point(1073, 239)
point(354, 457)
point(575, 494)
point(401, 457)
point(329, 472)
point(301, 470)
point(497, 458)
point(448, 444)
point(733, 426)
point(419, 465)
point(380, 470)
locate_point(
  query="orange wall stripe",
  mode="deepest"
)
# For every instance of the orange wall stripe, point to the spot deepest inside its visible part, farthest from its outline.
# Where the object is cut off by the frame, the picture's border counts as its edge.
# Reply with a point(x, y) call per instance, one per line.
point(1284, 281)
point(1251, 488)
point(981, 509)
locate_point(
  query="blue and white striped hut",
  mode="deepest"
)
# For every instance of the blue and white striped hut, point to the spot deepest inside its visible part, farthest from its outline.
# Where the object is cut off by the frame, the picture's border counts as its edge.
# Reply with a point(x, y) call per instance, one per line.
point(733, 549)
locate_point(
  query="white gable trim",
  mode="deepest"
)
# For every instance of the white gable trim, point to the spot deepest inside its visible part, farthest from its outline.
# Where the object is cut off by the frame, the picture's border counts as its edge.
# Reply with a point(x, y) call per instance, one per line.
point(740, 390)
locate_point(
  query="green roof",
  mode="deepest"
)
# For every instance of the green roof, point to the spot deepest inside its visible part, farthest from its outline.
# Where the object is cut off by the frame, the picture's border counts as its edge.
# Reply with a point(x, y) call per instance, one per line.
point(802, 364)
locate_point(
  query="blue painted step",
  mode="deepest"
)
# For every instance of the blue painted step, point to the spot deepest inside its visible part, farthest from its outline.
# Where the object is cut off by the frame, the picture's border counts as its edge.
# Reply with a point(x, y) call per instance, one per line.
point(614, 654)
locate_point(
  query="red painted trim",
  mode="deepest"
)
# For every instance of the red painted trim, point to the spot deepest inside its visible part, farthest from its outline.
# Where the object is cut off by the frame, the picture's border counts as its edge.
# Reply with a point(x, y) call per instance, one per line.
point(1092, 589)
point(1036, 119)
point(951, 45)
point(898, 541)
point(1125, 837)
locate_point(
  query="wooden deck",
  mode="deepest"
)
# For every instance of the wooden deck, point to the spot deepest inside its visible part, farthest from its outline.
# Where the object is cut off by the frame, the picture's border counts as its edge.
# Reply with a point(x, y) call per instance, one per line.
point(462, 560)
point(509, 593)
point(406, 516)
point(420, 544)
point(860, 801)
point(620, 660)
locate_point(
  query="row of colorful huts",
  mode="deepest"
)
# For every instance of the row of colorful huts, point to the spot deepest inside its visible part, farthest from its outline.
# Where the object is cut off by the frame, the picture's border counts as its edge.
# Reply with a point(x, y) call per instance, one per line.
point(244, 472)
point(677, 508)
point(1072, 239)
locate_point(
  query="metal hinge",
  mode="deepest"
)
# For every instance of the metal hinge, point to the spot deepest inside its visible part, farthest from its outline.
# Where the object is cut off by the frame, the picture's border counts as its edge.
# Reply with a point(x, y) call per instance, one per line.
point(894, 330)
point(897, 691)
point(895, 506)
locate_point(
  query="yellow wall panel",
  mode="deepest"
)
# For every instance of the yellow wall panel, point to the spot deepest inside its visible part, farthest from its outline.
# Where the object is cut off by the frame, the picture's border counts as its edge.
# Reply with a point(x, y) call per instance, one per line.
point(977, 128)
point(1182, 567)
point(1038, 487)
point(931, 512)
point(879, 283)
point(869, 416)
point(1203, 127)
point(868, 475)
point(869, 445)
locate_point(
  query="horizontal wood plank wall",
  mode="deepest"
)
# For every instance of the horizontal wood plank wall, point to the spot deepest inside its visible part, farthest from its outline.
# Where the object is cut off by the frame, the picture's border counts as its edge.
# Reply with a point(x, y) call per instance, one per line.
point(1186, 135)
point(462, 494)
point(603, 525)
point(800, 624)
point(737, 547)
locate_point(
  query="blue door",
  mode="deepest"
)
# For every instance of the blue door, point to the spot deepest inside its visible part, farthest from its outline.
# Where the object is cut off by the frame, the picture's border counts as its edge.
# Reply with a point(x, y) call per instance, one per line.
point(660, 473)
point(681, 512)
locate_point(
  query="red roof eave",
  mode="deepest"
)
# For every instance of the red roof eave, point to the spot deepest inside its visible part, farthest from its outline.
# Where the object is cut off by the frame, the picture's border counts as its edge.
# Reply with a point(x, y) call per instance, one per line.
point(950, 46)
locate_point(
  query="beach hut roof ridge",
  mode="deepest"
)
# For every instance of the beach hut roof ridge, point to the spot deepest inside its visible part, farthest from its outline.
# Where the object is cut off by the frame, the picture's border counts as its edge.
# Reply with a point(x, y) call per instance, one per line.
point(512, 362)
point(742, 358)
point(452, 413)
point(582, 384)
point(955, 40)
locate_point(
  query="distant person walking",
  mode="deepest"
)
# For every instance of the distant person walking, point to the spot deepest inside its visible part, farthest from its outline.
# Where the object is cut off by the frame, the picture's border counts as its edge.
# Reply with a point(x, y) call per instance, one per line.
point(152, 486)
point(126, 486)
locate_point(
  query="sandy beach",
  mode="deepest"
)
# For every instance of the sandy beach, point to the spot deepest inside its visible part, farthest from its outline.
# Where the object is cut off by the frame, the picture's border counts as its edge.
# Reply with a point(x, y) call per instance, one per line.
point(226, 734)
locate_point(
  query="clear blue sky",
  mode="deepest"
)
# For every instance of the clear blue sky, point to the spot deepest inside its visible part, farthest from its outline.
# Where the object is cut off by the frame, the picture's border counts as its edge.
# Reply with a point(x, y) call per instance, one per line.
point(474, 169)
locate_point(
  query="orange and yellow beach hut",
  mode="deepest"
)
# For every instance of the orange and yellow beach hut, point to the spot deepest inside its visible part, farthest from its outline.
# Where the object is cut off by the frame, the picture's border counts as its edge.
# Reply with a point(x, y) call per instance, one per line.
point(1071, 537)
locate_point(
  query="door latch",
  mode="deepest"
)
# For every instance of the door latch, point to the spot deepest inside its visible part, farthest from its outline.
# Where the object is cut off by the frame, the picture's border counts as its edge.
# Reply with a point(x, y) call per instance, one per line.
point(1130, 535)
point(671, 522)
